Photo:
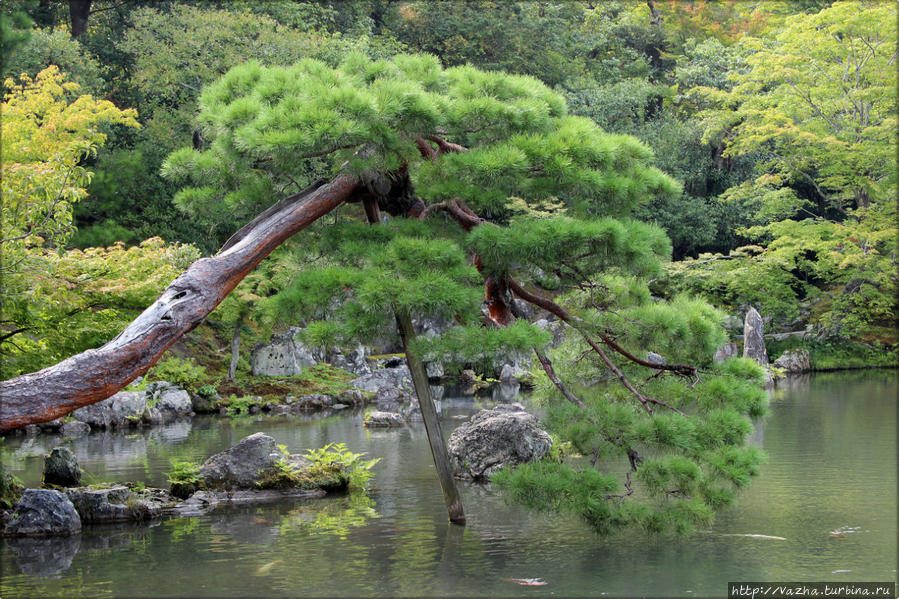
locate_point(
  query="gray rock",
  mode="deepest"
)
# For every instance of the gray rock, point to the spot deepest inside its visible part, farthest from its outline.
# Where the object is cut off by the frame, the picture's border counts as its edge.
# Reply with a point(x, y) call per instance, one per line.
point(203, 502)
point(431, 326)
point(169, 400)
point(435, 370)
point(794, 360)
point(350, 397)
point(493, 439)
point(754, 337)
point(316, 401)
point(282, 356)
point(61, 468)
point(354, 361)
point(75, 428)
point(555, 327)
point(122, 409)
point(42, 512)
point(511, 367)
point(654, 358)
point(523, 309)
point(385, 378)
point(383, 420)
point(726, 351)
point(119, 503)
point(253, 459)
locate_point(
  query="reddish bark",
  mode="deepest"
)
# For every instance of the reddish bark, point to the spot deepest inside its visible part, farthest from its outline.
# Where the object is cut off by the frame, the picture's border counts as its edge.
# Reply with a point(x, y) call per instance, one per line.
point(96, 374)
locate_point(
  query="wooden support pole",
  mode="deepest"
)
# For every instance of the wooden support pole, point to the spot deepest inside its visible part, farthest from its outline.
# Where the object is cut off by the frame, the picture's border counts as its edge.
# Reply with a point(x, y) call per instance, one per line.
point(432, 426)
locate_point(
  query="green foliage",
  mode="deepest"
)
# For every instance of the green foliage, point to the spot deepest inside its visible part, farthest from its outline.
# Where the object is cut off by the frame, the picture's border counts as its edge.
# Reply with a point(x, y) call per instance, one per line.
point(187, 473)
point(337, 459)
point(684, 467)
point(240, 406)
point(15, 29)
point(586, 245)
point(44, 48)
point(180, 371)
point(78, 300)
point(839, 355)
point(206, 391)
point(465, 346)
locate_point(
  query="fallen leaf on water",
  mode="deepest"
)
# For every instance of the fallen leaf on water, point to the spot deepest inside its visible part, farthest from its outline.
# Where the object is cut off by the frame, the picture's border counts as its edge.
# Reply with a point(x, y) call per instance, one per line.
point(527, 582)
point(259, 520)
point(263, 569)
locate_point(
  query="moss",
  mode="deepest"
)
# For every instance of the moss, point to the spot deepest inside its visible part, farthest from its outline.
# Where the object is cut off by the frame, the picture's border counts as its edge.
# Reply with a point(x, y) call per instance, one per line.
point(376, 357)
point(11, 489)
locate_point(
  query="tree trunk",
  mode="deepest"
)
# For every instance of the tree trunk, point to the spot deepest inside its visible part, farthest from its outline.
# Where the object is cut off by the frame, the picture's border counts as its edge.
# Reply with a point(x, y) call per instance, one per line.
point(235, 348)
point(79, 11)
point(432, 426)
point(96, 374)
point(423, 392)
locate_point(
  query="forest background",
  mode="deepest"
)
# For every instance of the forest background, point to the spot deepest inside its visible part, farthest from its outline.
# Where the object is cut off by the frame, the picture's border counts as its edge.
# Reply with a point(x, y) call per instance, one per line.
point(778, 118)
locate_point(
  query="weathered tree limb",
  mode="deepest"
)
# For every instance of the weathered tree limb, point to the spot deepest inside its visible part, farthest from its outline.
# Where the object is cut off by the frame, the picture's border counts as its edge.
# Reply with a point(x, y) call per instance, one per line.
point(563, 314)
point(551, 373)
point(96, 374)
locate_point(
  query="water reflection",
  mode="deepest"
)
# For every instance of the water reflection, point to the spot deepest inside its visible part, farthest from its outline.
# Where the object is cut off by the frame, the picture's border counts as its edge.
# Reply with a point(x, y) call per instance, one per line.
point(831, 442)
point(44, 556)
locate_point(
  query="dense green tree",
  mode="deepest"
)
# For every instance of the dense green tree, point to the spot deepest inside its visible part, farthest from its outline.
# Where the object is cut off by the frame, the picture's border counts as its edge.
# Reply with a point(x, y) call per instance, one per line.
point(488, 167)
point(173, 51)
point(816, 104)
point(44, 48)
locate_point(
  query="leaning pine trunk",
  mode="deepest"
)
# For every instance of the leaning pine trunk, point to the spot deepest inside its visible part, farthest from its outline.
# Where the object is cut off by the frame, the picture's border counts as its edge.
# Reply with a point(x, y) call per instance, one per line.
point(96, 374)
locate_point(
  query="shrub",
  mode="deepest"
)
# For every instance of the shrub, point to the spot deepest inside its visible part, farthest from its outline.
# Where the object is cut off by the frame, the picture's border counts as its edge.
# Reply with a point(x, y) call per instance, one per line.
point(335, 458)
point(181, 372)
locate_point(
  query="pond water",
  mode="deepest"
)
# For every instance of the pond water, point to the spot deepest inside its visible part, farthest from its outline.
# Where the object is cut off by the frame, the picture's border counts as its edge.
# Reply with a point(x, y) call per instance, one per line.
point(830, 438)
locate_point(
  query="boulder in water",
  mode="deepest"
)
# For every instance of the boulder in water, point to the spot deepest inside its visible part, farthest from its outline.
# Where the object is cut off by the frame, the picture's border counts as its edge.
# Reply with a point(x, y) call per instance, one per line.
point(42, 512)
point(494, 439)
point(61, 468)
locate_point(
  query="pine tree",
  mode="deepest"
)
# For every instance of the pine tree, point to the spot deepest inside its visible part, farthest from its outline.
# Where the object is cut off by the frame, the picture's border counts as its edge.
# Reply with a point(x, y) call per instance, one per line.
point(493, 191)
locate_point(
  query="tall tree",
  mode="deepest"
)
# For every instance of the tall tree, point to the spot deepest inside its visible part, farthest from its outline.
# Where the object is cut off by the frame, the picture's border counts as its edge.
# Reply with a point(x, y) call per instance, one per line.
point(492, 187)
point(817, 103)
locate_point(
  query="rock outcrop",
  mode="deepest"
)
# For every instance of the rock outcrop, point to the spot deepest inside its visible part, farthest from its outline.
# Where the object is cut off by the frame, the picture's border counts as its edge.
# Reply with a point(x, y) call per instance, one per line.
point(496, 438)
point(161, 402)
point(397, 378)
point(754, 337)
point(383, 420)
point(119, 503)
point(42, 512)
point(61, 468)
point(122, 409)
point(794, 360)
point(242, 466)
point(726, 351)
point(282, 356)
